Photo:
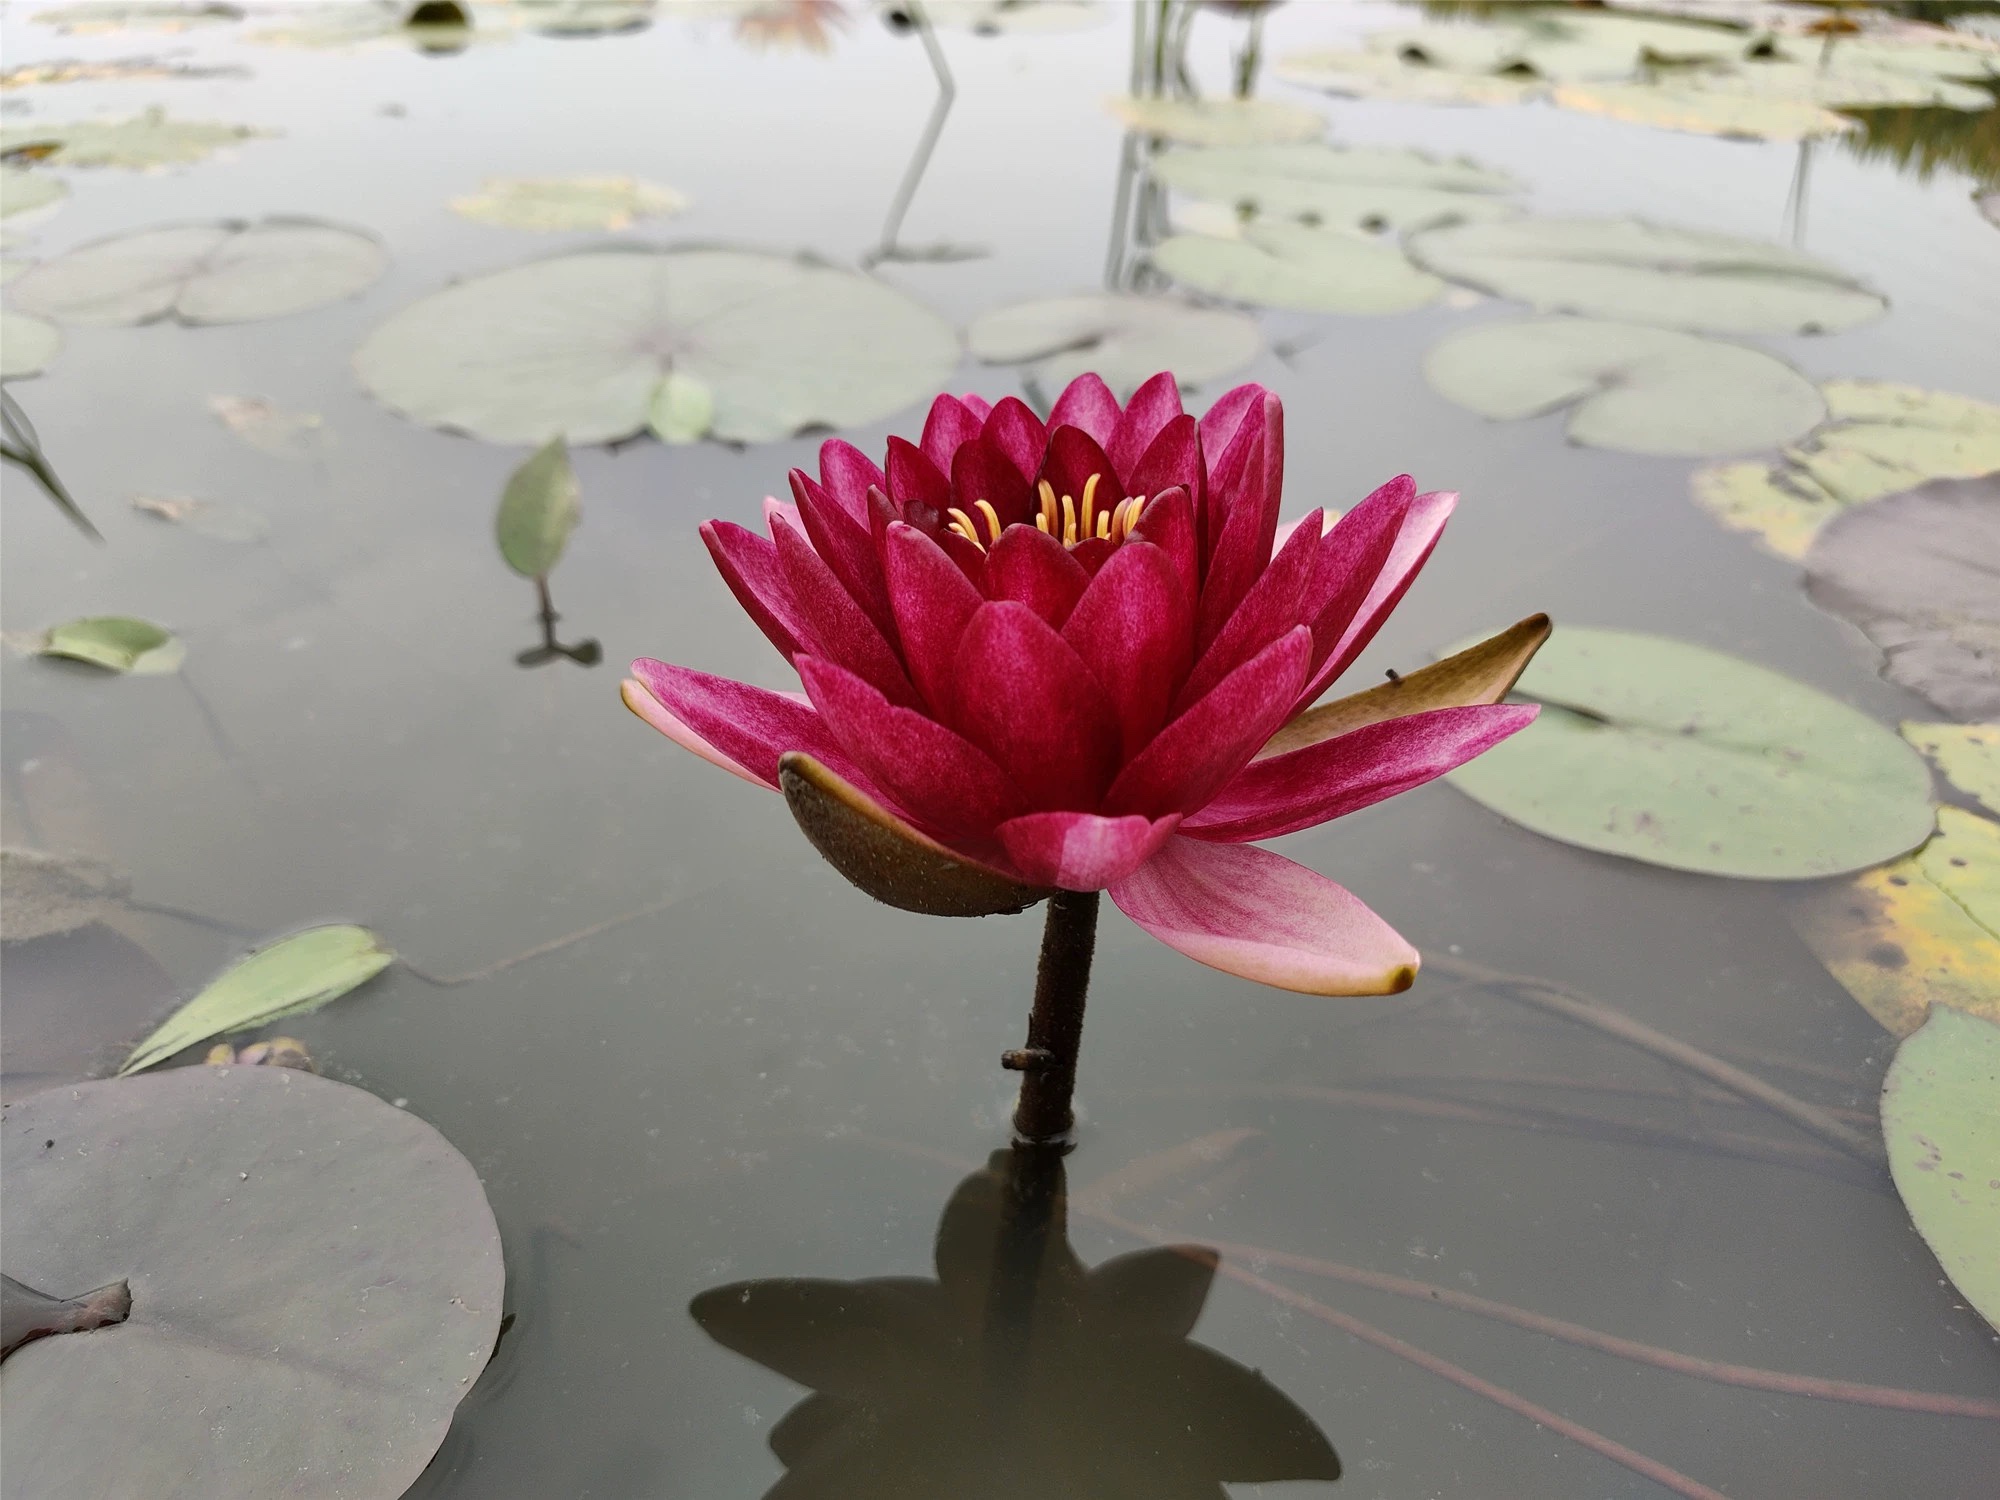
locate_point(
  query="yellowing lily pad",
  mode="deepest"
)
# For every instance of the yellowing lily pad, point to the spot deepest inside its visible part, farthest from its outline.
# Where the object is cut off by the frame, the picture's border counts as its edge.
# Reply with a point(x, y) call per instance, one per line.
point(147, 140)
point(1966, 755)
point(1703, 111)
point(1941, 1121)
point(1291, 265)
point(1781, 507)
point(1219, 122)
point(1667, 752)
point(1923, 930)
point(555, 203)
point(1125, 339)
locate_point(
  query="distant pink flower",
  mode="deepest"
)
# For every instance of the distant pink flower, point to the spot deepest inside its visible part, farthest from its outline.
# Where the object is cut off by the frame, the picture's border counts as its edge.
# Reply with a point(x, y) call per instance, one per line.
point(1066, 655)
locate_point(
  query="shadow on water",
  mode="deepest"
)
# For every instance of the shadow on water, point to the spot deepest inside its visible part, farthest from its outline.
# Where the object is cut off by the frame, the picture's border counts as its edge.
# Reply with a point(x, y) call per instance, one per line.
point(1019, 1371)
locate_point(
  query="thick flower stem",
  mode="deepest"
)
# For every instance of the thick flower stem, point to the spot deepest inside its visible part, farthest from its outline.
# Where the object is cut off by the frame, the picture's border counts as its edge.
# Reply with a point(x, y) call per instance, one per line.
point(1055, 1026)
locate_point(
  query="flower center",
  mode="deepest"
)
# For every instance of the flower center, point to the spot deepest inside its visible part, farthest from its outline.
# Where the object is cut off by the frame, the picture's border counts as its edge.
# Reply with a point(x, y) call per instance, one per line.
point(1062, 518)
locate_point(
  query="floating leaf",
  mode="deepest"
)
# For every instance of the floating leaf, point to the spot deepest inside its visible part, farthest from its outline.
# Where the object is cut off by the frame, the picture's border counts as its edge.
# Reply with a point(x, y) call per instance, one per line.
point(1847, 81)
point(1916, 573)
point(27, 345)
point(1941, 1120)
point(578, 344)
point(1627, 268)
point(682, 410)
point(1557, 44)
point(1882, 437)
point(1218, 122)
point(1966, 755)
point(270, 429)
point(24, 192)
point(1781, 507)
point(226, 272)
point(95, 17)
point(1636, 389)
point(1375, 75)
point(568, 202)
point(1356, 187)
point(538, 511)
point(44, 894)
point(1923, 930)
point(220, 520)
point(1291, 265)
point(147, 140)
point(294, 975)
point(316, 1281)
point(1669, 753)
point(1125, 339)
point(585, 17)
point(117, 643)
point(1699, 111)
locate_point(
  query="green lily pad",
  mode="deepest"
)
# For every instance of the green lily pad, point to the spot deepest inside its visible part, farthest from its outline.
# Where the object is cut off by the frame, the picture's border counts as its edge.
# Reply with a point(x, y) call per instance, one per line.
point(1924, 930)
point(1291, 265)
point(1628, 387)
point(98, 17)
point(1354, 187)
point(1377, 75)
point(1966, 755)
point(117, 643)
point(682, 409)
point(1941, 1120)
point(145, 141)
point(568, 202)
point(291, 977)
point(578, 344)
point(538, 511)
point(24, 192)
point(1672, 754)
point(1915, 572)
point(44, 894)
point(316, 1282)
point(1557, 44)
point(1218, 122)
point(225, 272)
point(27, 345)
point(1627, 268)
point(1846, 83)
point(1680, 105)
point(578, 18)
point(1125, 339)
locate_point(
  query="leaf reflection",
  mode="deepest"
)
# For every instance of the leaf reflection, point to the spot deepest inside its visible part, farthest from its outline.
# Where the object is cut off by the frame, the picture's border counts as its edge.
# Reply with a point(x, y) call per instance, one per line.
point(1019, 1371)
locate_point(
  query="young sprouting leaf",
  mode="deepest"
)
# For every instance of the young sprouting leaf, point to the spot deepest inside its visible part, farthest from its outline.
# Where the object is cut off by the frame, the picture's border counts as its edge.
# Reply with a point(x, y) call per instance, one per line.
point(683, 409)
point(117, 643)
point(292, 976)
point(538, 511)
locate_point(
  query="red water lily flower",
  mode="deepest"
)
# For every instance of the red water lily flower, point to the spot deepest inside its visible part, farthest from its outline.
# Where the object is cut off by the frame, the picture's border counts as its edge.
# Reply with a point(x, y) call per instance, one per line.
point(1080, 655)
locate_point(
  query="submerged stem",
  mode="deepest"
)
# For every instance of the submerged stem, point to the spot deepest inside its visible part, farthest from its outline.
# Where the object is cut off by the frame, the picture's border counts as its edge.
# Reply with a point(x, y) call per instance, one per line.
point(1055, 1026)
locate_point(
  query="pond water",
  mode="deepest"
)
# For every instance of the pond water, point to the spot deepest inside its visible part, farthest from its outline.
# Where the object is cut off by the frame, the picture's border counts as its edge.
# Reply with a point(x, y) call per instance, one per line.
point(765, 1074)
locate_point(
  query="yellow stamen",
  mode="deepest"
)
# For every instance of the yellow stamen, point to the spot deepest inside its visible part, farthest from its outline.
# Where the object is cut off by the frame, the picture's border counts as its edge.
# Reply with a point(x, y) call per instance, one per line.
point(1049, 513)
point(964, 526)
point(1104, 526)
point(1042, 523)
point(1089, 504)
point(1069, 521)
point(985, 508)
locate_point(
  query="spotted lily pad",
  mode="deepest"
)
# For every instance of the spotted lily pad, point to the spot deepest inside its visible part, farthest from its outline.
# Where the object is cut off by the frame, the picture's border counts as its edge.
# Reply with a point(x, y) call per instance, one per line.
point(1923, 930)
point(1353, 187)
point(1633, 388)
point(1125, 339)
point(579, 345)
point(315, 1279)
point(1219, 122)
point(555, 203)
point(224, 272)
point(1941, 1120)
point(116, 643)
point(147, 140)
point(27, 345)
point(1648, 273)
point(1779, 506)
point(1670, 753)
point(1377, 75)
point(1966, 755)
point(1916, 572)
point(1291, 265)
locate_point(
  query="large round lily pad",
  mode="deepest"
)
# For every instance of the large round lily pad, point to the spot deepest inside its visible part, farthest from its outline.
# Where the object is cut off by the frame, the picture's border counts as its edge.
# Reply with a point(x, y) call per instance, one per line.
point(1670, 753)
point(316, 1283)
point(1355, 187)
point(578, 345)
point(1941, 1120)
point(226, 272)
point(1627, 386)
point(1125, 339)
point(1648, 273)
point(1291, 265)
point(1917, 572)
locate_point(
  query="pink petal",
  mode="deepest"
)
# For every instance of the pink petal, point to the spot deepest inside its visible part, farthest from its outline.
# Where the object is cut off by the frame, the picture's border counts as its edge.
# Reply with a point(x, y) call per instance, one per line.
point(1257, 915)
point(1168, 522)
point(655, 713)
point(1245, 490)
point(743, 728)
point(1421, 526)
point(781, 510)
point(1301, 788)
point(748, 563)
point(1074, 458)
point(1174, 459)
point(845, 546)
point(1134, 626)
point(1227, 413)
point(1350, 561)
point(1033, 568)
point(1086, 403)
point(848, 474)
point(1272, 607)
point(930, 774)
point(980, 471)
point(833, 626)
point(978, 405)
point(1081, 851)
point(949, 424)
point(917, 485)
point(1029, 701)
point(932, 601)
point(1199, 752)
point(1152, 406)
point(1019, 434)
point(1288, 529)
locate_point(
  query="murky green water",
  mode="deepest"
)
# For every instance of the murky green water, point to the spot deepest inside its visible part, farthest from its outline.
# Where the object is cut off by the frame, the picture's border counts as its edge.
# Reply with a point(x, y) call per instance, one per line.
point(772, 1077)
